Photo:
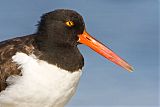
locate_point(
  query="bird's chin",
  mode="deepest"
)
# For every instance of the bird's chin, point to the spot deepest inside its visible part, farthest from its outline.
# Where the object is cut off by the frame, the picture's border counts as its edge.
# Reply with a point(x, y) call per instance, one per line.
point(78, 43)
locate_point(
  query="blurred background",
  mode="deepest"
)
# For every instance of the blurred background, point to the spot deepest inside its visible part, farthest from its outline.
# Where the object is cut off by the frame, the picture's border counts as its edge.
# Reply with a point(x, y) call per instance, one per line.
point(128, 27)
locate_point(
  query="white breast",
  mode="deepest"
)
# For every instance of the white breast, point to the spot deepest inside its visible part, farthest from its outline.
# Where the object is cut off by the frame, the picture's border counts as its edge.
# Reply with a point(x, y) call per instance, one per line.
point(41, 84)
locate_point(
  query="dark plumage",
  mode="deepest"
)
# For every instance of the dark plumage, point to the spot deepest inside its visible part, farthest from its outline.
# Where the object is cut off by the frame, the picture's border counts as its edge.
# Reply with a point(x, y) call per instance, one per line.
point(54, 42)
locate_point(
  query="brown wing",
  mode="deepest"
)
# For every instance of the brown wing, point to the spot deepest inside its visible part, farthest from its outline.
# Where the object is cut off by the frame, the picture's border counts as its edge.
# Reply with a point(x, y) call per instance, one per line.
point(7, 50)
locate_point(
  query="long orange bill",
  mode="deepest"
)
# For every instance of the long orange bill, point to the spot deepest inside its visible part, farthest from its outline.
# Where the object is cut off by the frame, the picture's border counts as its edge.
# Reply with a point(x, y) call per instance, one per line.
point(86, 39)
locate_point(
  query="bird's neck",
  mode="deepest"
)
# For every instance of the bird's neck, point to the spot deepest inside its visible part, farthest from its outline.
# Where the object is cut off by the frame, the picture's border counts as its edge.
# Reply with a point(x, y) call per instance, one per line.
point(64, 56)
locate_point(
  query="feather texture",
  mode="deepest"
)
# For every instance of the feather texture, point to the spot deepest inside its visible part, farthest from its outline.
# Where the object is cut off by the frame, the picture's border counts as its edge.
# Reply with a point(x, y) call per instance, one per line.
point(8, 48)
point(41, 84)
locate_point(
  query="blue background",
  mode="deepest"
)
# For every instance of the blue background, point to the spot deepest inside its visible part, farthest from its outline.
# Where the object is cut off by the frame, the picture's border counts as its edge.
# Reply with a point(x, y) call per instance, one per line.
point(129, 27)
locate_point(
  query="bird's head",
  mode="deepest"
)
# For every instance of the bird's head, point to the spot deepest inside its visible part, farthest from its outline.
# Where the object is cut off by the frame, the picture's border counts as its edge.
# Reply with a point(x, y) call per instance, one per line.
point(66, 28)
point(62, 27)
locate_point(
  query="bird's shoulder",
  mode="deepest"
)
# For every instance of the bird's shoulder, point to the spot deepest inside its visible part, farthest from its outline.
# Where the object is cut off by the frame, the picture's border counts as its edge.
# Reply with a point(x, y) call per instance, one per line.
point(8, 49)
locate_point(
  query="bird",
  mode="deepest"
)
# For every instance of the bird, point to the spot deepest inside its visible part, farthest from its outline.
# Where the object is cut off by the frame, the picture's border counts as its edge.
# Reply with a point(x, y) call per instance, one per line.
point(43, 69)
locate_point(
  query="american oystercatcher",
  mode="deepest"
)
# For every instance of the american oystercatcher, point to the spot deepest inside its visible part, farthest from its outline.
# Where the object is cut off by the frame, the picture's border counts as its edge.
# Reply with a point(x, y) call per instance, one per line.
point(43, 69)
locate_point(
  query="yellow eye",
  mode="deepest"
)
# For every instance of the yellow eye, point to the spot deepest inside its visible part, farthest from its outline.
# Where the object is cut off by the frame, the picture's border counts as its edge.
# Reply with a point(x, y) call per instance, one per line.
point(70, 23)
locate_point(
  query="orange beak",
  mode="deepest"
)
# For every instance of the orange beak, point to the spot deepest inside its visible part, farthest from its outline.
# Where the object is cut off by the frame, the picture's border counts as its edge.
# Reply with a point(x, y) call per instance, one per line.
point(95, 45)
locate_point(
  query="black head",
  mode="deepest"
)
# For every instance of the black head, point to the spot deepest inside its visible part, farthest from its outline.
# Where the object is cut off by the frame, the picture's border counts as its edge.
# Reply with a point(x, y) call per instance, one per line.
point(58, 34)
point(61, 27)
point(57, 39)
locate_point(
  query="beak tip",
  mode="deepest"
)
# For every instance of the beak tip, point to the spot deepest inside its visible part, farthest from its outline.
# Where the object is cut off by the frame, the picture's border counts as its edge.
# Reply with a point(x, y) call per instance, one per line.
point(130, 69)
